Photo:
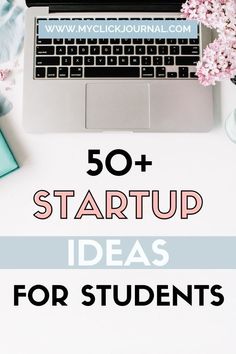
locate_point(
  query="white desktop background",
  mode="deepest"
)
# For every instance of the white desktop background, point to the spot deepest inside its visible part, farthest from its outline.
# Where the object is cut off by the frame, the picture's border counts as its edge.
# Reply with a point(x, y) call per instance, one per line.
point(202, 162)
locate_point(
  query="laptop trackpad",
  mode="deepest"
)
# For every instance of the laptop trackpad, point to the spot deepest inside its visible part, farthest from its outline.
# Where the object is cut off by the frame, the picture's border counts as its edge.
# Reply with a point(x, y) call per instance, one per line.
point(112, 106)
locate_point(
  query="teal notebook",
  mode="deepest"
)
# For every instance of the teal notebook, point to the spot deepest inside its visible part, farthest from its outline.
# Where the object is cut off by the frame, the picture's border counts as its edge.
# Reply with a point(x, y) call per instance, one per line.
point(8, 163)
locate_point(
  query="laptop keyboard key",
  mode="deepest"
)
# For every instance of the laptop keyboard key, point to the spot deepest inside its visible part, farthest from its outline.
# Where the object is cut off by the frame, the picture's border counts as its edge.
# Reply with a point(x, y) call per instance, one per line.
point(89, 61)
point(100, 60)
point(182, 60)
point(147, 72)
point(115, 41)
point(126, 41)
point(63, 72)
point(44, 41)
point(58, 41)
point(76, 72)
point(157, 61)
point(80, 41)
point(111, 60)
point(117, 50)
point(193, 75)
point(83, 50)
point(171, 41)
point(43, 50)
point(123, 60)
point(129, 50)
point(169, 60)
point(138, 41)
point(103, 41)
point(52, 72)
point(66, 61)
point(92, 41)
point(163, 49)
point(160, 41)
point(69, 41)
point(77, 61)
point(72, 50)
point(61, 50)
point(190, 50)
point(47, 61)
point(146, 61)
point(174, 50)
point(149, 41)
point(183, 72)
point(116, 72)
point(161, 72)
point(194, 41)
point(172, 75)
point(40, 73)
point(183, 41)
point(95, 50)
point(135, 61)
point(106, 50)
point(152, 50)
point(140, 50)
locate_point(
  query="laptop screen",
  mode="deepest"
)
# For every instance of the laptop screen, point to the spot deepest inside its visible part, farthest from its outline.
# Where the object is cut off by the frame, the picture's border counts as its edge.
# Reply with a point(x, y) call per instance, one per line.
point(164, 5)
point(105, 1)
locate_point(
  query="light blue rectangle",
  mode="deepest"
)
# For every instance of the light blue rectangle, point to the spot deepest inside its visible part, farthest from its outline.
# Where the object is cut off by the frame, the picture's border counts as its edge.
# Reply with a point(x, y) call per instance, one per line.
point(52, 252)
point(140, 29)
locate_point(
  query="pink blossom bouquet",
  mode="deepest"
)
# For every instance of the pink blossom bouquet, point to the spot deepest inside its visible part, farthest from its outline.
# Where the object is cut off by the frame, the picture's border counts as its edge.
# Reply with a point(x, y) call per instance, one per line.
point(219, 58)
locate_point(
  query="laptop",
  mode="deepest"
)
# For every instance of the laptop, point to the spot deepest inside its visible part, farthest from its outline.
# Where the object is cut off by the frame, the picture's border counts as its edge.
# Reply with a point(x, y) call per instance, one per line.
point(112, 84)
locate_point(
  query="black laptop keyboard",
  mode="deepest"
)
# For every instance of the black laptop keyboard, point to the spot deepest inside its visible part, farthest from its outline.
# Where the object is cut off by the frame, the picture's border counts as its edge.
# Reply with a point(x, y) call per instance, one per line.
point(116, 58)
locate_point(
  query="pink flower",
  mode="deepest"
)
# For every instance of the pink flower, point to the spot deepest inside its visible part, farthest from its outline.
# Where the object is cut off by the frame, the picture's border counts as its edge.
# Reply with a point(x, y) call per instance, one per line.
point(218, 14)
point(218, 62)
point(219, 59)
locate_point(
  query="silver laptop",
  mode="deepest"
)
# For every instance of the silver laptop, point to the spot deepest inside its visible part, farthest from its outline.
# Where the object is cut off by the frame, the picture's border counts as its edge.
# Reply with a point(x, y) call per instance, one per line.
point(112, 84)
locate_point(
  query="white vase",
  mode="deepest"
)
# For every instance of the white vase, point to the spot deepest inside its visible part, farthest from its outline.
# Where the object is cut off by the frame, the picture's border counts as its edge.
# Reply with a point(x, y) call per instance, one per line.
point(227, 98)
point(230, 126)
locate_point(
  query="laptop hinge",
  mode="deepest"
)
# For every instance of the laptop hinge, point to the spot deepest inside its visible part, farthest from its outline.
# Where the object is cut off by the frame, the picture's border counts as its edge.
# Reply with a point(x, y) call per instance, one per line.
point(119, 7)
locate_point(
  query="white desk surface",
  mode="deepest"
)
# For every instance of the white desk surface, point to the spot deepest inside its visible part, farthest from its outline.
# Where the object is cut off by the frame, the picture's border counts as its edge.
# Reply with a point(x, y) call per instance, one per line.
point(202, 162)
